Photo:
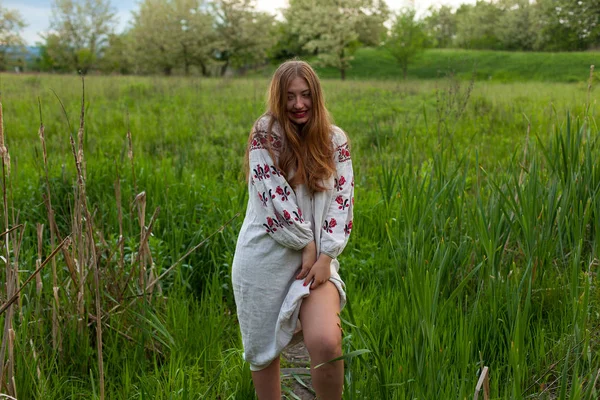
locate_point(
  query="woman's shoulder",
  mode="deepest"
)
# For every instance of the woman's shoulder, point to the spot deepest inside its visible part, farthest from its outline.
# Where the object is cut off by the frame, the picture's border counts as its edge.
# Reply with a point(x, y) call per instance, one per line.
point(341, 147)
point(338, 136)
point(266, 123)
point(266, 130)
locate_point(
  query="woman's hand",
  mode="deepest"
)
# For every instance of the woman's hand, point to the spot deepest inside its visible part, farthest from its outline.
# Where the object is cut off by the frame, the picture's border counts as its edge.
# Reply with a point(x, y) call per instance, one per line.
point(309, 257)
point(320, 272)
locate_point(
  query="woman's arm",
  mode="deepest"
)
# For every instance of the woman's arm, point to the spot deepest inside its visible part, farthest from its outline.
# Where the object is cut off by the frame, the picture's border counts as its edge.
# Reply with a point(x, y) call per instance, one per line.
point(275, 201)
point(338, 221)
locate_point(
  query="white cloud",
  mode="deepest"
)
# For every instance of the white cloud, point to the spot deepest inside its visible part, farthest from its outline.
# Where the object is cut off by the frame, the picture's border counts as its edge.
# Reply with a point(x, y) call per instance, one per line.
point(37, 19)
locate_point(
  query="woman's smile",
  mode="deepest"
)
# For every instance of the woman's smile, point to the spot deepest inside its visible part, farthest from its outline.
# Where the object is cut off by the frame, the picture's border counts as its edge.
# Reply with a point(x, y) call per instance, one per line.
point(299, 101)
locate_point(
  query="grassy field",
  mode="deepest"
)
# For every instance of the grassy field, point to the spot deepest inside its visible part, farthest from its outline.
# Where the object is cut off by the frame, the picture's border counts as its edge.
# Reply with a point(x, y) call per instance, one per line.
point(476, 240)
point(484, 65)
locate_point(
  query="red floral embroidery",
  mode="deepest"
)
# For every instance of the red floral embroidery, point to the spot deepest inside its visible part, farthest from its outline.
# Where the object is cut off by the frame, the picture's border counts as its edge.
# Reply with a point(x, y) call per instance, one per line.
point(273, 223)
point(329, 225)
point(343, 203)
point(339, 184)
point(270, 225)
point(263, 198)
point(260, 172)
point(284, 193)
point(343, 152)
point(275, 171)
point(287, 217)
point(260, 138)
point(298, 216)
point(348, 228)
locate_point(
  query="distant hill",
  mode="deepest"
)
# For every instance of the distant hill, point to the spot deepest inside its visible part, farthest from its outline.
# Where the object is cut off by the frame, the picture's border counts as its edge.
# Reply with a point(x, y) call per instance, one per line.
point(502, 66)
point(28, 52)
point(34, 51)
point(496, 66)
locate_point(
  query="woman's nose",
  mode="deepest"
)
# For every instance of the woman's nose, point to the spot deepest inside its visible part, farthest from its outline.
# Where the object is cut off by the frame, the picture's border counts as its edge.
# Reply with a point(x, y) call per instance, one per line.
point(298, 102)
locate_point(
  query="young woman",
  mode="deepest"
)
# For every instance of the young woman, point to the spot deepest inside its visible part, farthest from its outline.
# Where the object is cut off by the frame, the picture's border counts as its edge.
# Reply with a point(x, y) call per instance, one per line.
point(298, 220)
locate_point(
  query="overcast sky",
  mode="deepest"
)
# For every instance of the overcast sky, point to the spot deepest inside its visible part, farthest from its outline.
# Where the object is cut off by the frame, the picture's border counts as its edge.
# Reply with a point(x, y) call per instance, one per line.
point(37, 12)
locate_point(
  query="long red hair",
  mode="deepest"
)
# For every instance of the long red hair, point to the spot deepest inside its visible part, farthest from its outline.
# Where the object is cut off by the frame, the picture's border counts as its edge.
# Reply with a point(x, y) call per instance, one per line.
point(308, 151)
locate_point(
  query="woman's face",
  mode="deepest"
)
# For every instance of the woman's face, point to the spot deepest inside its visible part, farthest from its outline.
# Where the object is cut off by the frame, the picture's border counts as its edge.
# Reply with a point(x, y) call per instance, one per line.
point(299, 101)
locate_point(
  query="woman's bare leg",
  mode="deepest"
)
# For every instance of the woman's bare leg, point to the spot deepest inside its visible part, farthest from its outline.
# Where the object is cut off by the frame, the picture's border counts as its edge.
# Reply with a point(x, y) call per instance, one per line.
point(323, 339)
point(267, 382)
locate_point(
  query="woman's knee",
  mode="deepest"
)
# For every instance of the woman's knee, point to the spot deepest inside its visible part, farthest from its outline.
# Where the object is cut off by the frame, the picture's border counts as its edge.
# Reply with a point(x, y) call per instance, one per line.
point(325, 346)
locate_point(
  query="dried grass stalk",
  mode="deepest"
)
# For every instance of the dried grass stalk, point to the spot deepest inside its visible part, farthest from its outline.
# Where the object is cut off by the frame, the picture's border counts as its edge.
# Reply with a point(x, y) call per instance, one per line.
point(40, 240)
point(17, 242)
point(3, 150)
point(145, 236)
point(65, 243)
point(121, 242)
point(12, 387)
point(79, 249)
point(10, 274)
point(81, 130)
point(140, 201)
point(56, 338)
point(86, 249)
point(35, 358)
point(53, 234)
point(131, 158)
point(98, 310)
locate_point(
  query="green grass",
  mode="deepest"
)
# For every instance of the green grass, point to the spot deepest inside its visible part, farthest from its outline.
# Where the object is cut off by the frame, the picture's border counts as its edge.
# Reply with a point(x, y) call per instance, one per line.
point(495, 66)
point(476, 241)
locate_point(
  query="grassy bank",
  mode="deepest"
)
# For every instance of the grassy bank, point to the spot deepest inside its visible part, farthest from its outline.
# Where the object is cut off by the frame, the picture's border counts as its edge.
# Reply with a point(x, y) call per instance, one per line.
point(477, 237)
point(495, 66)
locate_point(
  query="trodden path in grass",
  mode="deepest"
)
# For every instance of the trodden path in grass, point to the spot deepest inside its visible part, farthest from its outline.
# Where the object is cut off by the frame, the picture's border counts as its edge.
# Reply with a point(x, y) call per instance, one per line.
point(296, 376)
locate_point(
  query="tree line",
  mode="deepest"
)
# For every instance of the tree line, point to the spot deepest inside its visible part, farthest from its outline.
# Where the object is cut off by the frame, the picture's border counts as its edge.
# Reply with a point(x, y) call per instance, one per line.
point(212, 37)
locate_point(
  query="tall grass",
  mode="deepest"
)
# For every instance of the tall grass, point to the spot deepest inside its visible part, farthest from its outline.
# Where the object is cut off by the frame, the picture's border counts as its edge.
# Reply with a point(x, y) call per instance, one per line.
point(487, 270)
point(476, 240)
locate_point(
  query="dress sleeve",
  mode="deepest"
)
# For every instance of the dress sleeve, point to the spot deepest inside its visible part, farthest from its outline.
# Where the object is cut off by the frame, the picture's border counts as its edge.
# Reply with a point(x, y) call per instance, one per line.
point(275, 202)
point(338, 221)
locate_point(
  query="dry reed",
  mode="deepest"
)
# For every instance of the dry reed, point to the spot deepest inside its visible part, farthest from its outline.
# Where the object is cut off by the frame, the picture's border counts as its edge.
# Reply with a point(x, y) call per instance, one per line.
point(53, 234)
point(85, 237)
point(11, 278)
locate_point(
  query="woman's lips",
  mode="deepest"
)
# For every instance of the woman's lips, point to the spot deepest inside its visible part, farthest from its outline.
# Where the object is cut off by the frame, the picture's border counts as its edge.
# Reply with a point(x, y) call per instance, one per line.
point(299, 114)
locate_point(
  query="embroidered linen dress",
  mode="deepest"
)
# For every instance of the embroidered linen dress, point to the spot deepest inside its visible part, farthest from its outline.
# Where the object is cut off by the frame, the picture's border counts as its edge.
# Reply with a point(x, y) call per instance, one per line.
point(279, 223)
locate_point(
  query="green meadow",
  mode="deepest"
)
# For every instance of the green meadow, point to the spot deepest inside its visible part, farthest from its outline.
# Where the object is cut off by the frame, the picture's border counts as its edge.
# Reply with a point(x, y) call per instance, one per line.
point(483, 65)
point(476, 239)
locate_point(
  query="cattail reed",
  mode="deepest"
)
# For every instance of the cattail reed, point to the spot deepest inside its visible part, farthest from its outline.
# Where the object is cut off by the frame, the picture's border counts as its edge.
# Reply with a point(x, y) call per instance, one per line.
point(121, 241)
point(140, 202)
point(81, 131)
point(11, 278)
point(40, 241)
point(131, 158)
point(53, 234)
point(86, 249)
point(130, 155)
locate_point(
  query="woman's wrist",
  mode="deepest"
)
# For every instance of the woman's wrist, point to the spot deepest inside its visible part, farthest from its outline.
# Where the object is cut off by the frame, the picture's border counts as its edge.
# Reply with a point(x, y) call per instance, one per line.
point(325, 257)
